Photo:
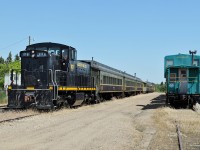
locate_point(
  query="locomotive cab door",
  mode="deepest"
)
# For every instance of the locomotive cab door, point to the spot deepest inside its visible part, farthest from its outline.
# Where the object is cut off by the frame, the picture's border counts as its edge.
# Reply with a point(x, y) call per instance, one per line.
point(183, 81)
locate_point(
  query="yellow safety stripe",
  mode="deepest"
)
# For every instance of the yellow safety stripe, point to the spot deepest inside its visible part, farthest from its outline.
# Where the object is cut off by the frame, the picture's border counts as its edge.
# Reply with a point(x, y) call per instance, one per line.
point(30, 88)
point(62, 88)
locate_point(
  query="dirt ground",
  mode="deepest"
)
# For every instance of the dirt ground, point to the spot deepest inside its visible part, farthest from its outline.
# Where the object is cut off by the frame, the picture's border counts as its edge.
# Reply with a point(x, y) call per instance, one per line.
point(134, 123)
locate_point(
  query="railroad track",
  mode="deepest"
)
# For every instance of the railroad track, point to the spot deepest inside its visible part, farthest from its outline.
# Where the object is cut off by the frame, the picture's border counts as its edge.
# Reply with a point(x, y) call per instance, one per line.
point(180, 144)
point(17, 118)
point(6, 110)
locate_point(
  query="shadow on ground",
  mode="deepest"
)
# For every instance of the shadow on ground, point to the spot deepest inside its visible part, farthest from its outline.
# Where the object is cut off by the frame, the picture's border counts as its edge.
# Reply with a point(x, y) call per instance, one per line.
point(155, 103)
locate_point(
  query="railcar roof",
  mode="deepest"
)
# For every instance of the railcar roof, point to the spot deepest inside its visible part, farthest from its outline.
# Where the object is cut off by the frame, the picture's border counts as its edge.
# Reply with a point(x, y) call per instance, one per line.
point(103, 67)
point(48, 44)
point(180, 55)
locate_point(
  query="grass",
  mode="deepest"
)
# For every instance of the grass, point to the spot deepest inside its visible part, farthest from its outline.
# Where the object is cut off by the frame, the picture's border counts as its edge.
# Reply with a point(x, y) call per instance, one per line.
point(187, 119)
point(166, 119)
point(3, 97)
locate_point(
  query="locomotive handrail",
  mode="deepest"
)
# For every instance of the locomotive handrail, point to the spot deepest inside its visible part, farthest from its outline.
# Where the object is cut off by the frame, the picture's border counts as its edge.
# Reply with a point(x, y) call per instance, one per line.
point(51, 71)
point(23, 72)
point(56, 81)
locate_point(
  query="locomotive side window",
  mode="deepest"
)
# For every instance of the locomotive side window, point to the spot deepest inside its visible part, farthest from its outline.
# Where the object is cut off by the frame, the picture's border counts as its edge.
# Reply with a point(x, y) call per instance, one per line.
point(72, 55)
point(65, 54)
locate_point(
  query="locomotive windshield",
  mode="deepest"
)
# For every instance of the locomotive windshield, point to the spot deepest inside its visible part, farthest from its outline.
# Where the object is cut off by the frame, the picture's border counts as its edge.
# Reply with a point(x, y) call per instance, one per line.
point(54, 50)
point(51, 50)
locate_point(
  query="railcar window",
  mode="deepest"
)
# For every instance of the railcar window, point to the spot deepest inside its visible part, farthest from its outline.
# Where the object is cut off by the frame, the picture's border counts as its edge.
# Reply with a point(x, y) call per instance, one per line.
point(107, 79)
point(129, 83)
point(111, 80)
point(196, 62)
point(115, 81)
point(172, 77)
point(169, 63)
point(104, 79)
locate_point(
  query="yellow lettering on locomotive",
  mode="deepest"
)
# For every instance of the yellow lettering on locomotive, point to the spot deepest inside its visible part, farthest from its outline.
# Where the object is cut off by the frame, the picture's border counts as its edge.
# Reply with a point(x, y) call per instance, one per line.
point(81, 65)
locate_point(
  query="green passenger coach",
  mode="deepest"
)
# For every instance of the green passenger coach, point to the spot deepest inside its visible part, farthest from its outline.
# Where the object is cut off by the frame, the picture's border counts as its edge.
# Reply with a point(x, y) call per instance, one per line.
point(182, 78)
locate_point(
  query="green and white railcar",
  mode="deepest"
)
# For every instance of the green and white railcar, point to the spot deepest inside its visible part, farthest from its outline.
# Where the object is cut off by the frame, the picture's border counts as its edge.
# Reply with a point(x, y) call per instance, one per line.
point(182, 73)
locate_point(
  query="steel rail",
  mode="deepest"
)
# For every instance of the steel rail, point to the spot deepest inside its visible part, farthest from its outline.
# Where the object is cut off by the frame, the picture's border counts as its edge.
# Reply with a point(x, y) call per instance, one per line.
point(179, 137)
point(18, 118)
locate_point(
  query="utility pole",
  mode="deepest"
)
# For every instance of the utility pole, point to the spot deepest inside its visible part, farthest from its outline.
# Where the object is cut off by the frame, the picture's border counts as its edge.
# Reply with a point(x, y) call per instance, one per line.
point(29, 40)
point(193, 52)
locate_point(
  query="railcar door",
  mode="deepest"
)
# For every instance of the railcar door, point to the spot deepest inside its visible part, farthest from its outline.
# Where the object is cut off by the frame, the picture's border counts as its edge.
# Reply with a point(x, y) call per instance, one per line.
point(183, 81)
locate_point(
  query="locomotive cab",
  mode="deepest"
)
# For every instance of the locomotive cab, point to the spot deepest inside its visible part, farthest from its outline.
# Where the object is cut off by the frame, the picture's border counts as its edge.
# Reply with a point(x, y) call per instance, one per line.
point(50, 76)
point(38, 64)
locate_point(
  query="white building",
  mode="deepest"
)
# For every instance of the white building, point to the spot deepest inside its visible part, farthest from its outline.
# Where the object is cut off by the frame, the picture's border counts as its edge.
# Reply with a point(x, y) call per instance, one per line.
point(16, 80)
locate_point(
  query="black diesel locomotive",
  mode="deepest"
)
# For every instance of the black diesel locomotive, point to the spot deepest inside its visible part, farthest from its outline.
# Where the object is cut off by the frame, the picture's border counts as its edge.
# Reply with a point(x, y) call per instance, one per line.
point(51, 76)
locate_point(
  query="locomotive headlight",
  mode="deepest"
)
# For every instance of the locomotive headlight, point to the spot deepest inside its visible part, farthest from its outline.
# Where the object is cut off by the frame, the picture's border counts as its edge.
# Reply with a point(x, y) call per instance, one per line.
point(33, 52)
point(33, 55)
point(38, 80)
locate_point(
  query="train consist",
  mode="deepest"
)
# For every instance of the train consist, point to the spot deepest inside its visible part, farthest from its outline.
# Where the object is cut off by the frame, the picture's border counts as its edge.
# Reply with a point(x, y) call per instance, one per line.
point(182, 74)
point(51, 76)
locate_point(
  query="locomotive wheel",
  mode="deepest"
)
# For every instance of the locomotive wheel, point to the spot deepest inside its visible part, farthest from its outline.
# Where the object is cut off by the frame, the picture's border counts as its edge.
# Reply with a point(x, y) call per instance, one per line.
point(66, 104)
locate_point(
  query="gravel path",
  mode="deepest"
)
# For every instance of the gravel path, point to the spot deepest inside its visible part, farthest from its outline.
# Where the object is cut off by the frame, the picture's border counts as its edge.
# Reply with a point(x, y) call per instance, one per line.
point(117, 124)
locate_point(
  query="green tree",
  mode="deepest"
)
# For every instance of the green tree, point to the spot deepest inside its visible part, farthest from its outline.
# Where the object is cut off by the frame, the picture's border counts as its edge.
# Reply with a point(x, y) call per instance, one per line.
point(161, 87)
point(9, 58)
point(17, 57)
point(3, 69)
point(1, 60)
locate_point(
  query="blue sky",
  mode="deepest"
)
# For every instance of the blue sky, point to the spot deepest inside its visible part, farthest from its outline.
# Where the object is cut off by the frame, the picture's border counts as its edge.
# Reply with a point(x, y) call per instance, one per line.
point(130, 35)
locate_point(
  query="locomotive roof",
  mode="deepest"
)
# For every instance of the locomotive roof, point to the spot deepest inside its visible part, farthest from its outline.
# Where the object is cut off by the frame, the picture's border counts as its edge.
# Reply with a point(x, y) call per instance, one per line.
point(103, 67)
point(48, 44)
